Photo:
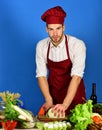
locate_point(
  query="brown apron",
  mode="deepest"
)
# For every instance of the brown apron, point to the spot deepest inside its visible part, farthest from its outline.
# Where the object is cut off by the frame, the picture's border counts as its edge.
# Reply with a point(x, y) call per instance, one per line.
point(59, 79)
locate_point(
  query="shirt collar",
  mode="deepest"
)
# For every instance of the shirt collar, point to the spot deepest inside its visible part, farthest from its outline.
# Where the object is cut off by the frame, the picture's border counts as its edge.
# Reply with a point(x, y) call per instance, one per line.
point(60, 45)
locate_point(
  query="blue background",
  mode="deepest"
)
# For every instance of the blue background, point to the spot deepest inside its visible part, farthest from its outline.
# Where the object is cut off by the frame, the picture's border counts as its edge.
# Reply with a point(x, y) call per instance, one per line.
point(20, 30)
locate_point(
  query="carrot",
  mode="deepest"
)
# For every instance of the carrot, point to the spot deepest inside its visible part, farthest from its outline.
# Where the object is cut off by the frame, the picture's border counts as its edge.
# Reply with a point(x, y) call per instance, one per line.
point(97, 119)
point(41, 111)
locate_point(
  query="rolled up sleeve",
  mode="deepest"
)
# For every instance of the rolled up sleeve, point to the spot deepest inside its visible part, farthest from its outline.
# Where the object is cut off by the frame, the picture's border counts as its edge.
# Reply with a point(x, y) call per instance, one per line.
point(41, 68)
point(78, 59)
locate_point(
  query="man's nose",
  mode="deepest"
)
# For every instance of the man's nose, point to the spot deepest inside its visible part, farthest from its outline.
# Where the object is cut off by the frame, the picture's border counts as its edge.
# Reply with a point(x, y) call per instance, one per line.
point(55, 32)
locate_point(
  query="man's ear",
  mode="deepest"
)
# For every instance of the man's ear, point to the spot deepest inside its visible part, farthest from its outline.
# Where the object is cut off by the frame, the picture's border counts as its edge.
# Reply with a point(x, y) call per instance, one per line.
point(63, 27)
point(46, 29)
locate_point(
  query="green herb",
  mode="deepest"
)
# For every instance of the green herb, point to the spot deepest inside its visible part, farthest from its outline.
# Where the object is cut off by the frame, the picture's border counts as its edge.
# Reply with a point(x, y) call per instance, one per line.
point(97, 108)
point(98, 105)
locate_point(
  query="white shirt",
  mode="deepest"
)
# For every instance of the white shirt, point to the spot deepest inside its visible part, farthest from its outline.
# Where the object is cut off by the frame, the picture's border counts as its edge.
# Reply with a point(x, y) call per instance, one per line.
point(77, 52)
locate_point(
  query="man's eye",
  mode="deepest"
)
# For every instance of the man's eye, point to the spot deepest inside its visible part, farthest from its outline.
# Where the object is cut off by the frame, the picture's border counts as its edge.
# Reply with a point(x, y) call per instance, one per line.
point(58, 28)
point(50, 29)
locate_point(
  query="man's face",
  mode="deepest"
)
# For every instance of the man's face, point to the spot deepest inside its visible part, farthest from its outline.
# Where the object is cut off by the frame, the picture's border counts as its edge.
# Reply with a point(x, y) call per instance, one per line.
point(56, 32)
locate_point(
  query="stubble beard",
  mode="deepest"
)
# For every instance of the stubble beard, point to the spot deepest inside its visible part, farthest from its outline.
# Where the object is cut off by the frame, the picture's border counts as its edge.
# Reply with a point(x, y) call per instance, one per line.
point(58, 40)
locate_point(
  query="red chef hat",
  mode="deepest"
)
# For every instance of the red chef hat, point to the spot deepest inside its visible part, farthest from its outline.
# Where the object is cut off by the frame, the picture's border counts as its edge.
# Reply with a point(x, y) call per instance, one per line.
point(54, 15)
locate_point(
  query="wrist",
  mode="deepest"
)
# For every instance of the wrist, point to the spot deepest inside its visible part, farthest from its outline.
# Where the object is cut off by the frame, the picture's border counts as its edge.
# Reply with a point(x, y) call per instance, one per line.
point(49, 99)
point(65, 105)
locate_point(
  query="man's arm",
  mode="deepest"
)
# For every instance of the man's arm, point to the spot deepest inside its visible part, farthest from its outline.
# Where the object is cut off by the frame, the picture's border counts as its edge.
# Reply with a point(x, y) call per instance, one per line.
point(43, 84)
point(72, 89)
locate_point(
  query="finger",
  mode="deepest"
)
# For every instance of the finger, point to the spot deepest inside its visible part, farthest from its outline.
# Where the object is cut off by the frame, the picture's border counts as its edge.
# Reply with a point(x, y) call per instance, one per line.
point(55, 107)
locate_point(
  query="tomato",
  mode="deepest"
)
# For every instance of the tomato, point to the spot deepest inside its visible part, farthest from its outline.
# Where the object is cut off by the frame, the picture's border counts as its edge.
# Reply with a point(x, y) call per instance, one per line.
point(9, 125)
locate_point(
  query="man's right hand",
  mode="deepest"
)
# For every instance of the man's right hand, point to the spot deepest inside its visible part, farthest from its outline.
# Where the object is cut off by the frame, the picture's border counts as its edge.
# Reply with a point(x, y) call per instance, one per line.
point(47, 105)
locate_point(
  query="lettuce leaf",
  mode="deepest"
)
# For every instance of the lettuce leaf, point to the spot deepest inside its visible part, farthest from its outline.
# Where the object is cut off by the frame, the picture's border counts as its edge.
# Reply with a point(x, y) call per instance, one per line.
point(81, 115)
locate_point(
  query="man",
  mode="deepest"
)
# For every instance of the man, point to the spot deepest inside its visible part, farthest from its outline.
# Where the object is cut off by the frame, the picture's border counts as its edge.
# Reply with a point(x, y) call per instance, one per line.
point(60, 61)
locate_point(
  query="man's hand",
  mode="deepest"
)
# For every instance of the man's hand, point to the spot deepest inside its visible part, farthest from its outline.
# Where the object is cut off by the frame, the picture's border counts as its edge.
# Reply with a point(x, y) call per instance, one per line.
point(59, 109)
point(47, 105)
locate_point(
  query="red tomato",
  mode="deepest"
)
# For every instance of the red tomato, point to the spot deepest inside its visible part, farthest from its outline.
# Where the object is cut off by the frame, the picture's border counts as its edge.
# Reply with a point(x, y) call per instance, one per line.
point(9, 125)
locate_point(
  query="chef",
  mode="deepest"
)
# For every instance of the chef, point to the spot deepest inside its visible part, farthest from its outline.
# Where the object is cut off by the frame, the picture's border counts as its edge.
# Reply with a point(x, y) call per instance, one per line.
point(60, 64)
